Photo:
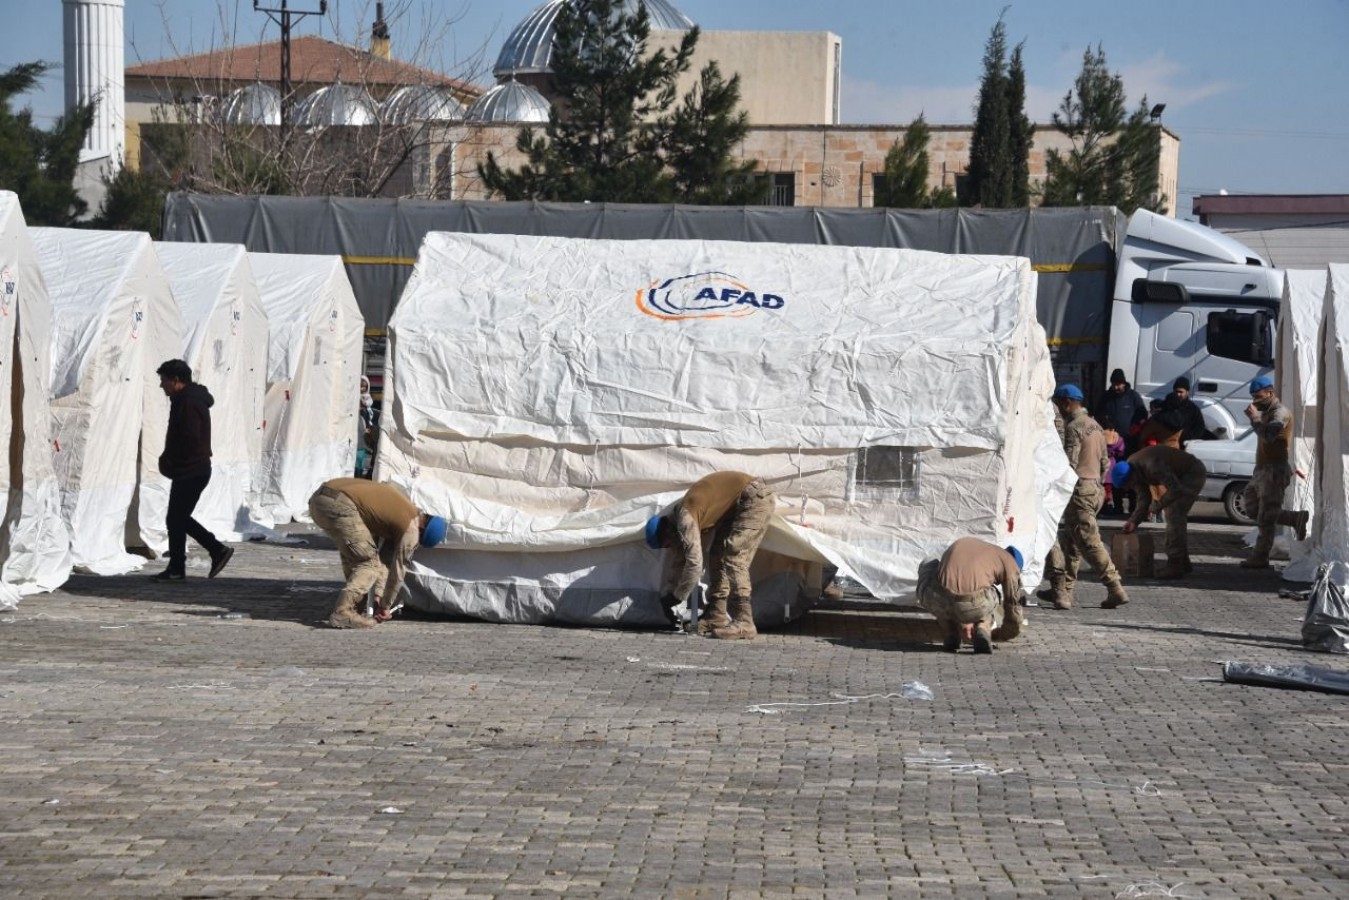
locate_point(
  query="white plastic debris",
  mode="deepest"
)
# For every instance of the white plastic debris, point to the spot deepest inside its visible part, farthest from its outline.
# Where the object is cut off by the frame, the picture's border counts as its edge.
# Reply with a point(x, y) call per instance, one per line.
point(916, 690)
point(390, 811)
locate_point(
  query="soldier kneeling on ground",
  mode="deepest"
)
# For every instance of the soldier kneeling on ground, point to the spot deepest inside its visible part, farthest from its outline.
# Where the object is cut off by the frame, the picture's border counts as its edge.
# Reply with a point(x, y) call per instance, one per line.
point(974, 591)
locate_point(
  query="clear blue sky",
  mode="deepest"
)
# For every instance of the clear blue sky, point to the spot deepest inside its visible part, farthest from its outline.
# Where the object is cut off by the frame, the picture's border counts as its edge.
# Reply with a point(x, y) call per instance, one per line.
point(1257, 91)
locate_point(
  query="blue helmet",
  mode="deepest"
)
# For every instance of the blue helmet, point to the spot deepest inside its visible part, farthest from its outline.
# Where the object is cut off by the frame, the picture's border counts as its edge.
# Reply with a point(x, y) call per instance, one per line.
point(1016, 555)
point(434, 532)
point(1070, 391)
point(652, 527)
point(1119, 475)
point(1260, 383)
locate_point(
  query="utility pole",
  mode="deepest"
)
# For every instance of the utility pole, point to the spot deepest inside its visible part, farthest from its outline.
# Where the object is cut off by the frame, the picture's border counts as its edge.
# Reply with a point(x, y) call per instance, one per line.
point(285, 17)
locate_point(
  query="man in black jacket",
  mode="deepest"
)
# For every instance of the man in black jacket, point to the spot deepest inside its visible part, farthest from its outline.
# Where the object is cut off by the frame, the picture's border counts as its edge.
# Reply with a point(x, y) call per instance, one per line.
point(1183, 413)
point(186, 462)
point(1123, 405)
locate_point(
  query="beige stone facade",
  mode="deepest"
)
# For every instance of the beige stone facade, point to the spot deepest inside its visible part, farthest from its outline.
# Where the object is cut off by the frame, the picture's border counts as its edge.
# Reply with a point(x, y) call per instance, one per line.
point(819, 165)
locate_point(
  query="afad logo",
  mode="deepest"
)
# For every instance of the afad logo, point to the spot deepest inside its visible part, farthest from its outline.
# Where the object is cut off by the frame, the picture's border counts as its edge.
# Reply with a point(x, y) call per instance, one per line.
point(709, 295)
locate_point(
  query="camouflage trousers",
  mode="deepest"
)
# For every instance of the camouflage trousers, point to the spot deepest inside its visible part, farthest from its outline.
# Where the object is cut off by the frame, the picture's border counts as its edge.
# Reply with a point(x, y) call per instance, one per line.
point(953, 610)
point(1264, 497)
point(734, 544)
point(1178, 515)
point(338, 516)
point(957, 609)
point(1080, 538)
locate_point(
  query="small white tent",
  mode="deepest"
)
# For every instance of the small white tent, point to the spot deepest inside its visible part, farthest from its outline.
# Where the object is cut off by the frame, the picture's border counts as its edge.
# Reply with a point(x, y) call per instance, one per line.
point(34, 540)
point(1296, 370)
point(115, 321)
point(316, 338)
point(225, 343)
point(1329, 539)
point(549, 394)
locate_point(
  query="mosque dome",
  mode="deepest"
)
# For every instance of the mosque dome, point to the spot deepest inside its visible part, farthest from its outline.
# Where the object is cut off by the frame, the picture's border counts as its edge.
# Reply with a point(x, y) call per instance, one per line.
point(254, 104)
point(529, 46)
point(509, 101)
point(420, 103)
point(336, 104)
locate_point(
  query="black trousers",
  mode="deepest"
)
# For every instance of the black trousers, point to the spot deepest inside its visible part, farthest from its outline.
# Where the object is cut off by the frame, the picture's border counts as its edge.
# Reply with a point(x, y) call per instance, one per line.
point(183, 496)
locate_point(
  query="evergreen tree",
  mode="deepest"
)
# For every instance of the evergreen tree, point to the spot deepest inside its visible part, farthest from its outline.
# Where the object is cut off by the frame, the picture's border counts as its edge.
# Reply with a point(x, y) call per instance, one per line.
point(700, 140)
point(1114, 157)
point(618, 134)
point(40, 165)
point(906, 170)
point(602, 143)
point(1022, 130)
point(1000, 128)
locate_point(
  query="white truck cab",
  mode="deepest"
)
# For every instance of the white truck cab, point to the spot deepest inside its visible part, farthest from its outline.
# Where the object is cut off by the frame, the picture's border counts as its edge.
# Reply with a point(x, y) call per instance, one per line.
point(1192, 301)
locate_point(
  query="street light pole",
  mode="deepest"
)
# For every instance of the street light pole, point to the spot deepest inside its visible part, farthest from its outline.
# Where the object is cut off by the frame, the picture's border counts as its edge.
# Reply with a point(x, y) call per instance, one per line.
point(285, 17)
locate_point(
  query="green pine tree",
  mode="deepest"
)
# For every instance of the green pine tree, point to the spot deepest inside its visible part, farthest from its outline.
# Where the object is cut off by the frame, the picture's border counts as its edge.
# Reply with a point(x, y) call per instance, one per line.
point(1113, 160)
point(700, 142)
point(620, 133)
point(40, 165)
point(990, 175)
point(906, 170)
point(602, 143)
point(1022, 134)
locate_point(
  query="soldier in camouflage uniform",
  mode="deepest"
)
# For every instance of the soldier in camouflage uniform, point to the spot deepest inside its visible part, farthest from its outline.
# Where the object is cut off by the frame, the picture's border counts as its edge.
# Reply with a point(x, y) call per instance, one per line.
point(1180, 477)
point(1273, 426)
point(1084, 442)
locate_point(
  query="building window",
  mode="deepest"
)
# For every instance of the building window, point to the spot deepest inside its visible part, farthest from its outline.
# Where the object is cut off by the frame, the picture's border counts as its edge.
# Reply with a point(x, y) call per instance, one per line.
point(879, 182)
point(783, 188)
point(884, 474)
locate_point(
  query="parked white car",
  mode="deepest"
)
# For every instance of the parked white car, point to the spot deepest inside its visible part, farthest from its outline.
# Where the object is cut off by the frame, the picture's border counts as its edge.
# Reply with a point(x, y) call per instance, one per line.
point(1230, 464)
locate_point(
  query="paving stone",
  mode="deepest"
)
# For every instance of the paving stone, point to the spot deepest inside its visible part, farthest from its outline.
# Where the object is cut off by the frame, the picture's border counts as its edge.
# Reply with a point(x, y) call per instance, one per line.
point(1099, 754)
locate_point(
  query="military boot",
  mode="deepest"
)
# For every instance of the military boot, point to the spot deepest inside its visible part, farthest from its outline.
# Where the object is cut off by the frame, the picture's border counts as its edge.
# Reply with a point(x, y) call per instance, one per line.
point(742, 622)
point(1054, 592)
point(1298, 520)
point(346, 614)
point(1114, 594)
point(713, 617)
point(983, 638)
point(1259, 558)
point(1174, 568)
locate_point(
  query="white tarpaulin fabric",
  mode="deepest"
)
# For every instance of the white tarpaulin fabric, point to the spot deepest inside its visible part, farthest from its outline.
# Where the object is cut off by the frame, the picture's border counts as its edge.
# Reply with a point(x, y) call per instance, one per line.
point(549, 394)
point(34, 540)
point(225, 342)
point(115, 321)
point(1329, 539)
point(315, 341)
point(1296, 370)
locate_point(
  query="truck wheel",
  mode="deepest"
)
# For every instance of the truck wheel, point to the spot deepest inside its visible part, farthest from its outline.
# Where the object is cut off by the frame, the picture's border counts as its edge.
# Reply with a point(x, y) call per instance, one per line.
point(1234, 504)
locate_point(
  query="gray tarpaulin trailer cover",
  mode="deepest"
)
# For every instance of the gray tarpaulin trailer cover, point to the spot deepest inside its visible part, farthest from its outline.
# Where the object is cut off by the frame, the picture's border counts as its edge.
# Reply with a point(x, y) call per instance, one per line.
point(1072, 249)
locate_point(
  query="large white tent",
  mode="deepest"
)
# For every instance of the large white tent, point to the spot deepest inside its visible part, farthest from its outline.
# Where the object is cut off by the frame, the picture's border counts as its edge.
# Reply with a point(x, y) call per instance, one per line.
point(1329, 539)
point(316, 338)
point(547, 395)
point(115, 321)
point(1296, 368)
point(225, 343)
point(34, 540)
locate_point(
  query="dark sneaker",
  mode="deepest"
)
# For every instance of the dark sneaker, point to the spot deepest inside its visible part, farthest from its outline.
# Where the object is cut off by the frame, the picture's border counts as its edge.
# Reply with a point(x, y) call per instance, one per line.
point(951, 644)
point(168, 575)
point(220, 560)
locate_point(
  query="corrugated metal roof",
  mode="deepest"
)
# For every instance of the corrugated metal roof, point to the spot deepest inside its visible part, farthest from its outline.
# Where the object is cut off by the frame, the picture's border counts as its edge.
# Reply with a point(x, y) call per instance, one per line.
point(529, 47)
point(509, 101)
point(336, 104)
point(254, 104)
point(420, 103)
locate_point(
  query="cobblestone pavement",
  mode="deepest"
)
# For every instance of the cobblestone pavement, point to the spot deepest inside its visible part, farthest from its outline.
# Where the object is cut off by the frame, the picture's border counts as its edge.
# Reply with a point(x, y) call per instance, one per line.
point(152, 748)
